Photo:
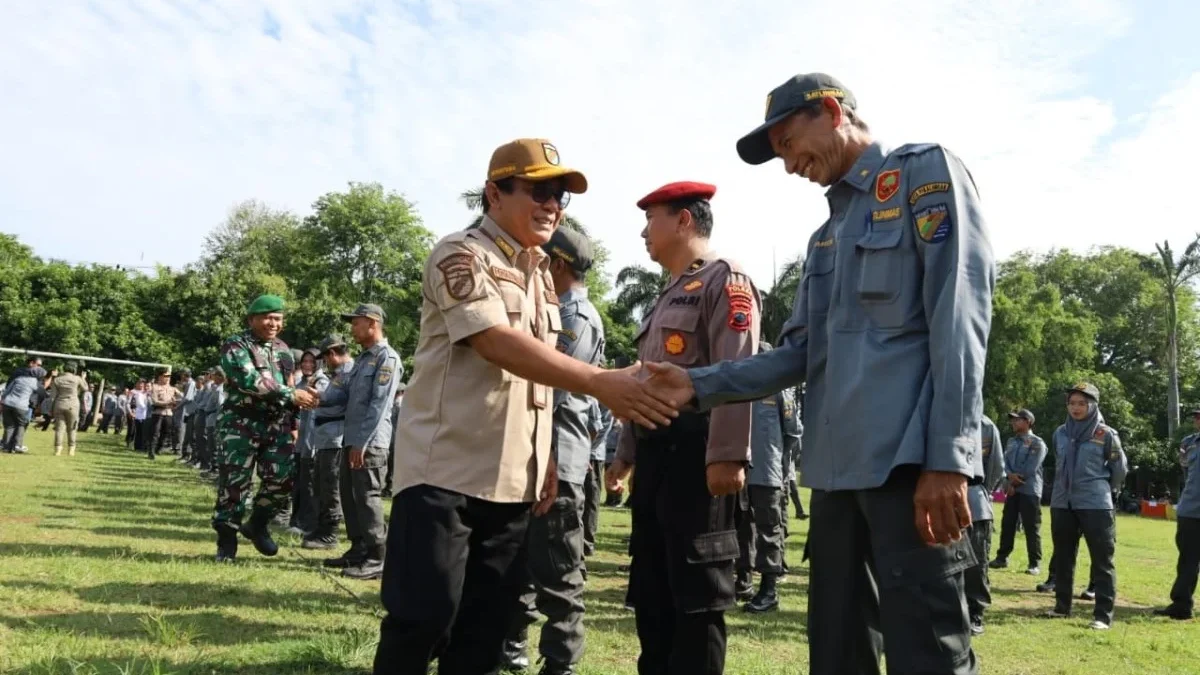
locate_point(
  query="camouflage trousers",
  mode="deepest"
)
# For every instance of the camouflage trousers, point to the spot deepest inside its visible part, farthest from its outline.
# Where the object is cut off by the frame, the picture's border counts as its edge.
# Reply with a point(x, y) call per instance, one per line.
point(245, 445)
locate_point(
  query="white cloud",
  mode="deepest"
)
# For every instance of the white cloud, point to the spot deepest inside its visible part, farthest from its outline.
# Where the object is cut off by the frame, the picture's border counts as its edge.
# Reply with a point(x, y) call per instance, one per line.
point(133, 131)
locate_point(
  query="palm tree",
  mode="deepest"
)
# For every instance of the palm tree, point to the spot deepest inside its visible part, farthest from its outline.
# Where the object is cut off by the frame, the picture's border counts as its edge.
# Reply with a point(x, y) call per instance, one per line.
point(1174, 274)
point(777, 302)
point(639, 288)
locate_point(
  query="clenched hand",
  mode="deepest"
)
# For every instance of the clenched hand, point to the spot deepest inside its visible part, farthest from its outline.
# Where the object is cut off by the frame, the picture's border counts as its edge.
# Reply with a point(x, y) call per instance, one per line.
point(942, 511)
point(725, 478)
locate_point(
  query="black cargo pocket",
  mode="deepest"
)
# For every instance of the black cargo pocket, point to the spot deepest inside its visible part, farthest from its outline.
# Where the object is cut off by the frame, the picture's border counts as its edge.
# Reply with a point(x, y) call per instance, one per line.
point(375, 458)
point(706, 581)
point(924, 588)
point(713, 547)
point(565, 541)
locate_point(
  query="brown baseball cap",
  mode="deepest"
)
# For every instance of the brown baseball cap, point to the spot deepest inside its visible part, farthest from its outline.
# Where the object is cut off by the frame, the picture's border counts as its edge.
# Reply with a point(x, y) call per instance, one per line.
point(534, 159)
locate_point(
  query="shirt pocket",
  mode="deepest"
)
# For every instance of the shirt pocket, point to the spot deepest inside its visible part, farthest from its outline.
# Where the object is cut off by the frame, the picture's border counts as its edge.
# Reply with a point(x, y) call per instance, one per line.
point(881, 263)
point(679, 336)
point(818, 281)
point(514, 304)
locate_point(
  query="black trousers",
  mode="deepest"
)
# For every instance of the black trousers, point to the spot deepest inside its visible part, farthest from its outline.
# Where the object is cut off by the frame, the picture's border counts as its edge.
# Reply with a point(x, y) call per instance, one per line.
point(1029, 509)
point(304, 507)
point(327, 488)
point(874, 581)
point(1187, 540)
point(1099, 527)
point(684, 547)
point(160, 431)
point(761, 534)
point(362, 500)
point(591, 503)
point(975, 579)
point(453, 563)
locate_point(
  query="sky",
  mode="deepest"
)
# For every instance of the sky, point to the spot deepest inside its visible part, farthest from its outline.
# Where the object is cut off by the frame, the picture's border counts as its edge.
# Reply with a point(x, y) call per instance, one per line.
point(129, 129)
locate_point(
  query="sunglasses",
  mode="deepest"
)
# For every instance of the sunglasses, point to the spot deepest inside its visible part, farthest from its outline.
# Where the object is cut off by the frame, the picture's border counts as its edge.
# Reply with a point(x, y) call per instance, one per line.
point(543, 191)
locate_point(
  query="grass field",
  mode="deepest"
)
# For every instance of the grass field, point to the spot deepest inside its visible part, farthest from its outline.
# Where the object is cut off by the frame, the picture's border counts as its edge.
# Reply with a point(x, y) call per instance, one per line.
point(105, 568)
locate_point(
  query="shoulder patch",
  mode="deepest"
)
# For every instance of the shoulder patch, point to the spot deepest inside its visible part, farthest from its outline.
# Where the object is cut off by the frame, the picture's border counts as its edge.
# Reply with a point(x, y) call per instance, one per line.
point(887, 184)
point(933, 224)
point(457, 274)
point(925, 190)
point(741, 306)
point(569, 334)
point(385, 374)
point(505, 274)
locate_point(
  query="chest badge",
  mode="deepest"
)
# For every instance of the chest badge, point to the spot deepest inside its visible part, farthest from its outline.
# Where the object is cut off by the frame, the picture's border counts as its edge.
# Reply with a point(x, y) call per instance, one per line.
point(675, 344)
point(693, 285)
point(887, 184)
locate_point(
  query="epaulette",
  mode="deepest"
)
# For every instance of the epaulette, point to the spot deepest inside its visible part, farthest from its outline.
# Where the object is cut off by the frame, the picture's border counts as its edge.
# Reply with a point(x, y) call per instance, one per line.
point(915, 149)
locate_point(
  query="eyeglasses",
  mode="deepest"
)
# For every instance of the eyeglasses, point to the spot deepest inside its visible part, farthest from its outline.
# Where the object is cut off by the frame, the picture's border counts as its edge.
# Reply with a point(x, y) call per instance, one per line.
point(544, 190)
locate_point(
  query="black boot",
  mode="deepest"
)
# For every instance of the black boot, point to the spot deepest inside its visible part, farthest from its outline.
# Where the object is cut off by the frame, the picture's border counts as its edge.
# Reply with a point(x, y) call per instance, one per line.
point(767, 598)
point(227, 542)
point(354, 556)
point(551, 668)
point(258, 532)
point(514, 658)
point(370, 568)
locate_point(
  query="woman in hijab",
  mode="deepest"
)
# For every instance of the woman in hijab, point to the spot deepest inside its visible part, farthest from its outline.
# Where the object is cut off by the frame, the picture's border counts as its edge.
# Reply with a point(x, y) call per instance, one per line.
point(1090, 466)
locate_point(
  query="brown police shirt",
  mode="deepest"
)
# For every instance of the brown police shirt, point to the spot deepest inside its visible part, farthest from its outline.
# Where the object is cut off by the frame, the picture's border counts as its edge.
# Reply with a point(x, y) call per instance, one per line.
point(709, 314)
point(467, 425)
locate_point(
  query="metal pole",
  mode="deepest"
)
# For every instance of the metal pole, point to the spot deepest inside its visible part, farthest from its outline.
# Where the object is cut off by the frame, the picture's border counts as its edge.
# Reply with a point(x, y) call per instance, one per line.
point(96, 359)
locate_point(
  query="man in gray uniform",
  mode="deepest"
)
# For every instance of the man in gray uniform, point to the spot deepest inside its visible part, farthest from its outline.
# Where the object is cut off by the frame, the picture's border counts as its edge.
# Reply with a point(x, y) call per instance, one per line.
point(600, 421)
point(329, 423)
point(555, 539)
point(1187, 529)
point(975, 579)
point(1023, 457)
point(891, 320)
point(182, 443)
point(368, 399)
point(773, 440)
point(23, 384)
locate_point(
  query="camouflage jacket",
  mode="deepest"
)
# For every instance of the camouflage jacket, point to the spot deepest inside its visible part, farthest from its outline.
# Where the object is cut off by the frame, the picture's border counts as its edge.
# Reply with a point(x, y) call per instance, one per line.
point(257, 375)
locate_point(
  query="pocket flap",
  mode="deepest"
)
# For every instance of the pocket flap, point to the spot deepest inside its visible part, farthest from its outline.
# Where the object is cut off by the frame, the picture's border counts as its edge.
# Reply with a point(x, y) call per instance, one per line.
point(554, 319)
point(713, 547)
point(880, 239)
point(923, 565)
point(680, 320)
point(819, 263)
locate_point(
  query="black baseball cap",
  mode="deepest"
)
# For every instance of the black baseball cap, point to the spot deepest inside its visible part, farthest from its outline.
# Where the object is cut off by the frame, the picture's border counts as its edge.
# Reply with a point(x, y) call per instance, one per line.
point(800, 91)
point(1022, 414)
point(368, 310)
point(570, 247)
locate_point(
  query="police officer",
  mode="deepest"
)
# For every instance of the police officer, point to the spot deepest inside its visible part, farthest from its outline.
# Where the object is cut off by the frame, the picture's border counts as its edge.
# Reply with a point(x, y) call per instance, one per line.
point(255, 429)
point(684, 540)
point(1023, 457)
point(892, 317)
point(368, 398)
point(1091, 467)
point(556, 541)
point(975, 578)
point(329, 421)
point(1187, 529)
point(773, 440)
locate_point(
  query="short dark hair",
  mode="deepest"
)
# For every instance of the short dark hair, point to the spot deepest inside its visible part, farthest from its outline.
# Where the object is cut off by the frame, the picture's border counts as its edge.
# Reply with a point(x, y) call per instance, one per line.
point(701, 213)
point(505, 185)
point(32, 360)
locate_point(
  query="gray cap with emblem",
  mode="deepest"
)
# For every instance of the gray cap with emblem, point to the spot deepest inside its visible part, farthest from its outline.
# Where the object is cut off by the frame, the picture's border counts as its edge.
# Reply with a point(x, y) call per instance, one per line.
point(800, 91)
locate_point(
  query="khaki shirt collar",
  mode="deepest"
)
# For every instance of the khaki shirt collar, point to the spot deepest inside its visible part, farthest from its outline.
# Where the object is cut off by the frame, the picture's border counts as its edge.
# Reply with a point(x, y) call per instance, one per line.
point(526, 259)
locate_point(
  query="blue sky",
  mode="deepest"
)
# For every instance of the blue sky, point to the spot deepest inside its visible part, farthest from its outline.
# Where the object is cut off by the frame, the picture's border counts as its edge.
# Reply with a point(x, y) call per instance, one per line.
point(129, 129)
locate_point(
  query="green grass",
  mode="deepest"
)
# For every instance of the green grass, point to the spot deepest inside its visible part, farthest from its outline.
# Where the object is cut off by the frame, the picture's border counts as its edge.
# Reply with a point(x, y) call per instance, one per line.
point(105, 569)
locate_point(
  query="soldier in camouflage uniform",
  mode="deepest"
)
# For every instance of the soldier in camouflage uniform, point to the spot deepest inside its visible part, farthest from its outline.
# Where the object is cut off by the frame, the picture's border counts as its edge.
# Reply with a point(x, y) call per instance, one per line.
point(255, 429)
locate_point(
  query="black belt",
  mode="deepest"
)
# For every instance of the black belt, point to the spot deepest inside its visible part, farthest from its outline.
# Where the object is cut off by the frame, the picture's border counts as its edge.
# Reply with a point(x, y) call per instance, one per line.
point(687, 424)
point(318, 421)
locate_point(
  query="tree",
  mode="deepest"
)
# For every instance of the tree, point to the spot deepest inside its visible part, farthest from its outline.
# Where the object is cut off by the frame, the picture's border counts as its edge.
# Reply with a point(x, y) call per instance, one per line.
point(638, 289)
point(778, 301)
point(1174, 274)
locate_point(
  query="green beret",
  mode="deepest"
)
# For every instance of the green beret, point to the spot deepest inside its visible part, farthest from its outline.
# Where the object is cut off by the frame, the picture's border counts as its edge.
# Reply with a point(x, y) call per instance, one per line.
point(265, 304)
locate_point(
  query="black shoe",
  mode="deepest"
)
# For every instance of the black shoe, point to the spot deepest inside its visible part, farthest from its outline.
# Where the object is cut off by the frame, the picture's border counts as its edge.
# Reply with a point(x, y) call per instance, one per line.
point(352, 557)
point(976, 625)
point(371, 568)
point(258, 532)
point(227, 542)
point(320, 541)
point(589, 550)
point(1047, 587)
point(1173, 612)
point(1088, 594)
point(766, 600)
point(801, 515)
point(549, 668)
point(998, 564)
point(514, 658)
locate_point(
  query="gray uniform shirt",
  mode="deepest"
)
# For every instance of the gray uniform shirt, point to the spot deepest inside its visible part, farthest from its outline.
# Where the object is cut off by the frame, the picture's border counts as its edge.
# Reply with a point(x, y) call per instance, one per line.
point(582, 338)
point(369, 397)
point(774, 434)
point(1099, 470)
point(979, 496)
point(1024, 455)
point(1189, 498)
point(600, 420)
point(892, 316)
point(22, 385)
point(215, 403)
point(329, 420)
point(189, 397)
point(306, 445)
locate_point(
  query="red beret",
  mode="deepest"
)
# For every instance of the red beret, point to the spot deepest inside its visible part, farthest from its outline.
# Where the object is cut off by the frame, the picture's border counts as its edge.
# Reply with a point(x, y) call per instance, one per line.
point(675, 191)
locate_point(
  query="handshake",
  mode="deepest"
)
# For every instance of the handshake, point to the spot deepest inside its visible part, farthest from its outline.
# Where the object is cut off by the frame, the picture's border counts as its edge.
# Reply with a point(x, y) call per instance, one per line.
point(652, 394)
point(306, 398)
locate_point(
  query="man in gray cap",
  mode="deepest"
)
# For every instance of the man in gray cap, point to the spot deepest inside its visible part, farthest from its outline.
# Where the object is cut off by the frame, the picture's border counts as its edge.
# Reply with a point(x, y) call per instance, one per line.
point(1023, 457)
point(892, 317)
point(368, 398)
point(328, 429)
point(1187, 529)
point(555, 539)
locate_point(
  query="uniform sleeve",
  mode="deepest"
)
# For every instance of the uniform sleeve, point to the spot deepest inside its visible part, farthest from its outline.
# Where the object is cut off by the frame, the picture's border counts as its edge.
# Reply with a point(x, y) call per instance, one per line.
point(383, 397)
point(595, 418)
point(1118, 464)
point(464, 291)
point(733, 329)
point(993, 472)
point(241, 374)
point(762, 374)
point(959, 276)
point(336, 392)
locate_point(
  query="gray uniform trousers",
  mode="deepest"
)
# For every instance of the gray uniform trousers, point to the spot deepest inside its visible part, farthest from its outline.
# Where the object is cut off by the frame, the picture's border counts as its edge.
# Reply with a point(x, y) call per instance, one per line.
point(1099, 528)
point(327, 488)
point(975, 579)
point(362, 502)
point(873, 579)
point(555, 588)
point(761, 535)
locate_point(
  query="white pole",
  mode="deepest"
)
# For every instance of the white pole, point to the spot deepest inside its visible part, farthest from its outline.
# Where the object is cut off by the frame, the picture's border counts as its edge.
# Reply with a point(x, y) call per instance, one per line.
point(95, 359)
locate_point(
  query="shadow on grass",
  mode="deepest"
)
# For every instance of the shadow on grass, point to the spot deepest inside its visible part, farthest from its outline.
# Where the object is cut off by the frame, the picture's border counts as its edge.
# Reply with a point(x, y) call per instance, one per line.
point(127, 553)
point(177, 596)
point(212, 628)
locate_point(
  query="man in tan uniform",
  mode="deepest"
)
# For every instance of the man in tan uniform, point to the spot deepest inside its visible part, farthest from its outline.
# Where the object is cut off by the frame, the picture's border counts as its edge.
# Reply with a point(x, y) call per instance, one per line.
point(473, 438)
point(684, 541)
point(65, 391)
